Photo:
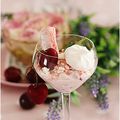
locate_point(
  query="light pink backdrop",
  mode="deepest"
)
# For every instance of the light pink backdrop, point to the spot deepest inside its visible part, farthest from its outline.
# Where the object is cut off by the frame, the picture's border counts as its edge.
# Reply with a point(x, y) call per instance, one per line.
point(106, 14)
point(106, 10)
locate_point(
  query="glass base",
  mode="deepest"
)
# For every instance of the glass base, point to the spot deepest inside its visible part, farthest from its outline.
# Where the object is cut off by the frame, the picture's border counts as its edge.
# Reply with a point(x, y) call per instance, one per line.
point(66, 105)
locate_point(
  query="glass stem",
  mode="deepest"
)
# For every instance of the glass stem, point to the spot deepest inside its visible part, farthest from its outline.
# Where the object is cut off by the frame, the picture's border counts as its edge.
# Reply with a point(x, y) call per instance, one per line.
point(66, 106)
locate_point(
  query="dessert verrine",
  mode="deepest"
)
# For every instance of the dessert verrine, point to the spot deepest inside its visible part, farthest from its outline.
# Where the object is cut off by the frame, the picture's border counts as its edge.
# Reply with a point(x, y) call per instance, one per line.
point(64, 67)
point(21, 33)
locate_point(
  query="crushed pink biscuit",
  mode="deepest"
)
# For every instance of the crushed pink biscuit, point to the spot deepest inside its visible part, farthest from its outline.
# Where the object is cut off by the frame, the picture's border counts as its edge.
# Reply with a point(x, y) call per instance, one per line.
point(61, 67)
point(63, 77)
point(67, 67)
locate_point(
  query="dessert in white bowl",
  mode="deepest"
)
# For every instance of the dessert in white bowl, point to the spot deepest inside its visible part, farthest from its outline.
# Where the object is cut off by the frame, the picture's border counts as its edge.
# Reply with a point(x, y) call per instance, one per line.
point(22, 32)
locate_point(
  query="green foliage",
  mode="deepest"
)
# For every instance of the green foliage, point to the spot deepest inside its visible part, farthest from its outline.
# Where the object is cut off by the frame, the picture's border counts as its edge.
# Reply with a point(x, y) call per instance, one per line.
point(103, 90)
point(75, 97)
point(106, 40)
point(7, 15)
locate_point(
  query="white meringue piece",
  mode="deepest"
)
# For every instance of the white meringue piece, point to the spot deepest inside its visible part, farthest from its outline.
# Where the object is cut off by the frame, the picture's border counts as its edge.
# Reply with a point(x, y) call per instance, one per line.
point(79, 57)
point(45, 70)
point(61, 55)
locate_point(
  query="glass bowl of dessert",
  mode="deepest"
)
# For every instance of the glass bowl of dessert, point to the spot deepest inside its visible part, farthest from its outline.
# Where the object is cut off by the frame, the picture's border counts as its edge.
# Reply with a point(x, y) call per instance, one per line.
point(65, 62)
point(22, 32)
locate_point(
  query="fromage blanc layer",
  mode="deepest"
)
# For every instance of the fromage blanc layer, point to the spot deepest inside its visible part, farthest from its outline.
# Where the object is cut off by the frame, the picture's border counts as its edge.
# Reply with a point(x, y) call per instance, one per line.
point(79, 57)
point(62, 77)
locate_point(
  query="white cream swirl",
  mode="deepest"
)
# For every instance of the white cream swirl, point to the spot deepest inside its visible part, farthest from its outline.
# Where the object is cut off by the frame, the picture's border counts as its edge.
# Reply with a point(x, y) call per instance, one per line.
point(79, 57)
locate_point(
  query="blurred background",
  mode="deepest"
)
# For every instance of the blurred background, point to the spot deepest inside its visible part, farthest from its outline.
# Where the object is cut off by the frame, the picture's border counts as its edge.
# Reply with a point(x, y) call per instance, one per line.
point(106, 11)
point(95, 19)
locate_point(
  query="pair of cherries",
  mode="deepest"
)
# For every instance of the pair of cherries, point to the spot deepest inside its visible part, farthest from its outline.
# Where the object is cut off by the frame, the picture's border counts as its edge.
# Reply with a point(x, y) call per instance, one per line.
point(37, 93)
point(47, 58)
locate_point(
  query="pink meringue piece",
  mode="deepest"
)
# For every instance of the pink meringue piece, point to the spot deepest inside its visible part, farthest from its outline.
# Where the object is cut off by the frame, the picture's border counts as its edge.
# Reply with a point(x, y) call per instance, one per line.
point(48, 38)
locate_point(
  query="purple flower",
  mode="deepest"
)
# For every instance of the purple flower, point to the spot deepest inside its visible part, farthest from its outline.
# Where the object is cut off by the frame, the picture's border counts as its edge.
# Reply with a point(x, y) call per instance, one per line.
point(94, 92)
point(104, 103)
point(104, 81)
point(104, 106)
point(84, 29)
point(54, 110)
point(98, 88)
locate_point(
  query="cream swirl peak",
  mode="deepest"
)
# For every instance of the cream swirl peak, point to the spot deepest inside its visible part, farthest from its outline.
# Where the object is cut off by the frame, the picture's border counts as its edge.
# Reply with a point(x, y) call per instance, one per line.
point(79, 57)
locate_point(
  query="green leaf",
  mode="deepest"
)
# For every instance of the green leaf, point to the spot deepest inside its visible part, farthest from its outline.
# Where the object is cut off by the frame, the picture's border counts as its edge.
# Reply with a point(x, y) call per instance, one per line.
point(103, 90)
point(75, 100)
point(7, 15)
point(114, 73)
point(101, 55)
point(92, 34)
point(106, 41)
point(75, 93)
point(57, 94)
point(86, 18)
point(103, 42)
point(102, 70)
point(75, 97)
point(85, 43)
point(112, 63)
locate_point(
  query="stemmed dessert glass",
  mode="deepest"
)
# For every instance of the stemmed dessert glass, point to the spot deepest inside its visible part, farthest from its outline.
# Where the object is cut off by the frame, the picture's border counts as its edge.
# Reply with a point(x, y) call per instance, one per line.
point(56, 71)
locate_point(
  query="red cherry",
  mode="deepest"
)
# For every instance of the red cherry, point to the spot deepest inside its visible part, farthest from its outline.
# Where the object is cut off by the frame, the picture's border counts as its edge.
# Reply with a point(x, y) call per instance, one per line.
point(13, 74)
point(25, 102)
point(52, 52)
point(33, 77)
point(37, 93)
point(49, 58)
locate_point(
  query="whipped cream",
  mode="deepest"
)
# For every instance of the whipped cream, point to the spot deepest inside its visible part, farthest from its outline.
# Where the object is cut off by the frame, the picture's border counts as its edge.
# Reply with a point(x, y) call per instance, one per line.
point(45, 70)
point(79, 57)
point(61, 55)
